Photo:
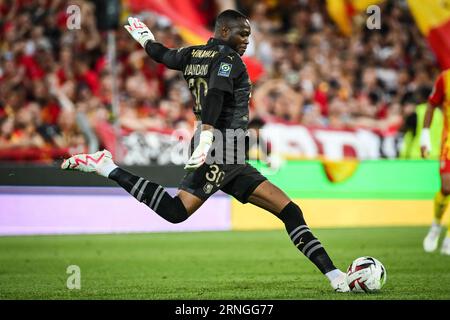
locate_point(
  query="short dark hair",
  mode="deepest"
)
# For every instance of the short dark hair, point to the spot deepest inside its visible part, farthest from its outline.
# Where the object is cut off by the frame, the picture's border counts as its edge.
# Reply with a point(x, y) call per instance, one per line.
point(226, 16)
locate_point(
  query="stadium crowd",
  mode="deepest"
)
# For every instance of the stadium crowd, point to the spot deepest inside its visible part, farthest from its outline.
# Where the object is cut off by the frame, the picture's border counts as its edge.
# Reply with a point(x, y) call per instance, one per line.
point(56, 83)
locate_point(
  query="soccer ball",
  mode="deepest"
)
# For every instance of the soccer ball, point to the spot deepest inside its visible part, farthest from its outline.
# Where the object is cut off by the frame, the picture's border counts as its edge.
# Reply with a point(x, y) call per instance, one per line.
point(366, 274)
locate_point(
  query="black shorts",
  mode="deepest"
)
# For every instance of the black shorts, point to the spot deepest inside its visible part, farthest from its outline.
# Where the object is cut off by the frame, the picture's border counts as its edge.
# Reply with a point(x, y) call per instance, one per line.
point(237, 180)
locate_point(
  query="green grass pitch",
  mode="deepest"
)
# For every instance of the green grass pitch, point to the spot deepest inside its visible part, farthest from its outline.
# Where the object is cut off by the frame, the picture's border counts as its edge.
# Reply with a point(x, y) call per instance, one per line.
point(215, 265)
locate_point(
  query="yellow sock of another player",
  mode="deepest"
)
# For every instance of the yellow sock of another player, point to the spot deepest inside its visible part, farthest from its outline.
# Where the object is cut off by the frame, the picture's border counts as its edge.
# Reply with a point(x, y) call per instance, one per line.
point(430, 242)
point(440, 204)
point(445, 249)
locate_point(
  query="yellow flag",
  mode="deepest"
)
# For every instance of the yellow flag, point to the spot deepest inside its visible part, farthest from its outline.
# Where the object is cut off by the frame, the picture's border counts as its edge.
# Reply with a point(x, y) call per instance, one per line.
point(342, 12)
point(433, 20)
point(338, 171)
point(429, 14)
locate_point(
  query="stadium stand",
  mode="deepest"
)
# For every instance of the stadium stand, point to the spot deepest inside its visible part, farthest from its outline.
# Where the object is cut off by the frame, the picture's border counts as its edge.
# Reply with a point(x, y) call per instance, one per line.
point(55, 83)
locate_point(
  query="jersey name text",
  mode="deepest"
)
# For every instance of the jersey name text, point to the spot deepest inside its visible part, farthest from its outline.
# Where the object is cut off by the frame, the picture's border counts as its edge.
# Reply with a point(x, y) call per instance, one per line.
point(198, 53)
point(196, 70)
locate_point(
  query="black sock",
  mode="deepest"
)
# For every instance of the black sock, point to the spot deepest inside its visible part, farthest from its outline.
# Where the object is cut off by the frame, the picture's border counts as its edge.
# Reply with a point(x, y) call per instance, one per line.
point(303, 239)
point(152, 194)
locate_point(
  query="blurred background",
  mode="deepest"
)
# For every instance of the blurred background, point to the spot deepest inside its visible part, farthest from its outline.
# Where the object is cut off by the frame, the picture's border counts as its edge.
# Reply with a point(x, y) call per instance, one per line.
point(339, 94)
point(62, 91)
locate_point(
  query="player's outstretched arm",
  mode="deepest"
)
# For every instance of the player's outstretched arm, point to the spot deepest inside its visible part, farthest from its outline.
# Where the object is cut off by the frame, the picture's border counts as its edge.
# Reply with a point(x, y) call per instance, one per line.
point(171, 58)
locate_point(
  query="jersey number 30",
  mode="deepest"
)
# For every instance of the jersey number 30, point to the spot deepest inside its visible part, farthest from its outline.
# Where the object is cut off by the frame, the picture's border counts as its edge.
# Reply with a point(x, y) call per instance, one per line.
point(199, 89)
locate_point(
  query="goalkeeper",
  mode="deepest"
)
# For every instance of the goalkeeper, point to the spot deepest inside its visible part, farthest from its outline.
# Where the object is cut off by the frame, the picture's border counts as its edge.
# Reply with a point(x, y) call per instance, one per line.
point(220, 84)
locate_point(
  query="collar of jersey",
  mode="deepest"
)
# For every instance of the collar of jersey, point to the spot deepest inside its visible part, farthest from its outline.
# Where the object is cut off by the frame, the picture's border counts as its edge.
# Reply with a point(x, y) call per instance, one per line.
point(217, 41)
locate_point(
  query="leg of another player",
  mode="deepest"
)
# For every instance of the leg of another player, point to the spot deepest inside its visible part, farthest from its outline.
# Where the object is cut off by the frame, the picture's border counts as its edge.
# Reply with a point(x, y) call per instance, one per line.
point(445, 248)
point(173, 209)
point(441, 200)
point(269, 197)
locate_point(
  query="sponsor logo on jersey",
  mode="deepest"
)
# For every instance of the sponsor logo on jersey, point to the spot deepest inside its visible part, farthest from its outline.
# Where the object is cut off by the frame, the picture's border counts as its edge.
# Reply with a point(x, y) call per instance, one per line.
point(224, 69)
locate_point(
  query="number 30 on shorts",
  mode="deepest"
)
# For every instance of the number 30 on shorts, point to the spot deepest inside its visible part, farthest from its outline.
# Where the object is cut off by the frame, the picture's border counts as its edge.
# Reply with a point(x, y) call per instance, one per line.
point(215, 175)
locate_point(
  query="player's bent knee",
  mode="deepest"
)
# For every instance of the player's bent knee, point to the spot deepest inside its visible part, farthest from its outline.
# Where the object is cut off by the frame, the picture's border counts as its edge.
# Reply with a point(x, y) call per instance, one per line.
point(175, 212)
point(171, 209)
point(176, 217)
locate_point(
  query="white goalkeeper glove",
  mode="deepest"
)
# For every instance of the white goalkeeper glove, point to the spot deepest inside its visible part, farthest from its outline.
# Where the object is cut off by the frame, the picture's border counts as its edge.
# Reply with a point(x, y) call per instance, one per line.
point(198, 157)
point(425, 142)
point(139, 31)
point(274, 161)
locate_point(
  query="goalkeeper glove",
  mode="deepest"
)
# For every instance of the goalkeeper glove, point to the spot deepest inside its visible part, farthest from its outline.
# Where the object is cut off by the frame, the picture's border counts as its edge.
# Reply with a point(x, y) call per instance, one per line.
point(139, 31)
point(198, 157)
point(425, 142)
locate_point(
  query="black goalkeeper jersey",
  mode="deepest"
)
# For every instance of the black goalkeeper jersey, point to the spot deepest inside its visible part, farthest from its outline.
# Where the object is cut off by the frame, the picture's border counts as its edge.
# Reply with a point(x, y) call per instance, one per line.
point(215, 65)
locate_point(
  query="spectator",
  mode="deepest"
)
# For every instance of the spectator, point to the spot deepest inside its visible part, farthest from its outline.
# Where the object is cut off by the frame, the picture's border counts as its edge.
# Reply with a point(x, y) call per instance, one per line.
point(315, 76)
